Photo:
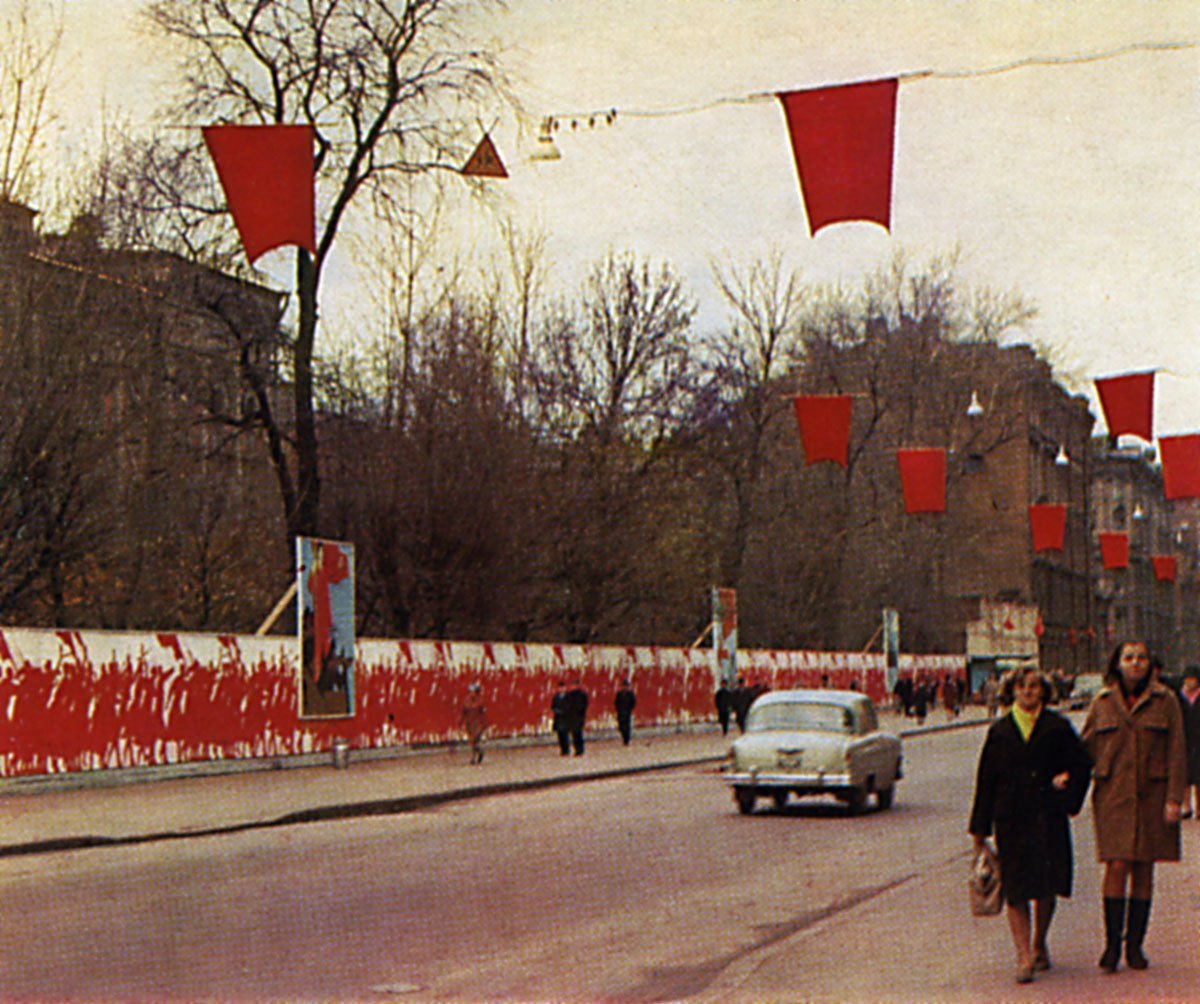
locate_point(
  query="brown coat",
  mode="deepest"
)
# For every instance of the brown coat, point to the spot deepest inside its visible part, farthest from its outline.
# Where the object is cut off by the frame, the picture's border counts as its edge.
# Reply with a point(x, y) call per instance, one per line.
point(1140, 764)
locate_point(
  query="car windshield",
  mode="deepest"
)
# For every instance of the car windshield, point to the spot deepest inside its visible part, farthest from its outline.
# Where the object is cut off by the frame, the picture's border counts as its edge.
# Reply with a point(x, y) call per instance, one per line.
point(801, 716)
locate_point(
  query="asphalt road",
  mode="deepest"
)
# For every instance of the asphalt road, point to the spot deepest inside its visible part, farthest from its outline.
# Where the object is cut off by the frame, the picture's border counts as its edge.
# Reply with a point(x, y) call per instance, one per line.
point(637, 889)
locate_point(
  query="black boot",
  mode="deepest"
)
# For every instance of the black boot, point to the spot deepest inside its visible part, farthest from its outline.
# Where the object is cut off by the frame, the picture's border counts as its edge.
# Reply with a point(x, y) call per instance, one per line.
point(1139, 918)
point(1114, 927)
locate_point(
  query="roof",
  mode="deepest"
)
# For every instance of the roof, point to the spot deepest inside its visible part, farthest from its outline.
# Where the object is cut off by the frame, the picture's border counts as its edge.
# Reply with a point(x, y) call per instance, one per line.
point(841, 698)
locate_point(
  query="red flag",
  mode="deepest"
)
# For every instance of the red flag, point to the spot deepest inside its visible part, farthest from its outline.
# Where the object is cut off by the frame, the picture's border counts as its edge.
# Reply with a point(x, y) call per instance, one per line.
point(485, 162)
point(1114, 550)
point(267, 174)
point(1164, 567)
point(843, 140)
point(923, 478)
point(1039, 628)
point(1128, 404)
point(1180, 457)
point(1072, 635)
point(1048, 523)
point(824, 421)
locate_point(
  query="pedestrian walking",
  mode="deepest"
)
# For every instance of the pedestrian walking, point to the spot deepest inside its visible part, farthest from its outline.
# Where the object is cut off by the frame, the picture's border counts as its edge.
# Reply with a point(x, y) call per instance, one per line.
point(920, 701)
point(561, 718)
point(624, 702)
point(575, 703)
point(1189, 701)
point(743, 697)
point(724, 702)
point(474, 721)
point(991, 695)
point(1134, 732)
point(1032, 777)
point(950, 697)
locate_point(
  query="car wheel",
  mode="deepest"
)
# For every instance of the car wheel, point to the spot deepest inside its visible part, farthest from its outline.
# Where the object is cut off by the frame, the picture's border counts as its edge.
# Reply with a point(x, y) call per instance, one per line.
point(856, 801)
point(780, 797)
point(745, 800)
point(885, 796)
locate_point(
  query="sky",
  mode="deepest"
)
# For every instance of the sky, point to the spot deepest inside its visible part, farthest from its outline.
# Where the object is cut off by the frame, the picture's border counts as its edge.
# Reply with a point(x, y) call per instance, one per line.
point(1074, 183)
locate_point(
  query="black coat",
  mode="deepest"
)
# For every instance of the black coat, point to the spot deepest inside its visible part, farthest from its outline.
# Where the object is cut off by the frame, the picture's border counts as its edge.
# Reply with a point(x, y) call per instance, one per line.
point(1191, 730)
point(1015, 797)
point(624, 702)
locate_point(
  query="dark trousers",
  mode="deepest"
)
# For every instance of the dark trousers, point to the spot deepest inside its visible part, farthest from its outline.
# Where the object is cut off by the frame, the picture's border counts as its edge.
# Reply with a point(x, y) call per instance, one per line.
point(577, 740)
point(625, 727)
point(564, 741)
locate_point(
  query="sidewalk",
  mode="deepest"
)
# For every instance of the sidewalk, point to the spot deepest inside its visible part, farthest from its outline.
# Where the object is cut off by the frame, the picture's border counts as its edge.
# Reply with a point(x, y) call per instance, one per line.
point(44, 816)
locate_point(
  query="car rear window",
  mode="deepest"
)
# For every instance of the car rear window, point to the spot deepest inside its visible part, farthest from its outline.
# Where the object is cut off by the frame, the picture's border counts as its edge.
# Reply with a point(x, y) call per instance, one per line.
point(802, 716)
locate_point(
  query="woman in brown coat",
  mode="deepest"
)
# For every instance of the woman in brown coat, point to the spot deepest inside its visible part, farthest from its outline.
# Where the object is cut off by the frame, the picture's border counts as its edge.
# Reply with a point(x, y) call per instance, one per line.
point(1134, 732)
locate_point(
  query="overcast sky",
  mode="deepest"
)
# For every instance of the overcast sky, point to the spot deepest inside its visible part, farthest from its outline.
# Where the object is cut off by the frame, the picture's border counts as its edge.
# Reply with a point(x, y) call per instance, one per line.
point(1076, 184)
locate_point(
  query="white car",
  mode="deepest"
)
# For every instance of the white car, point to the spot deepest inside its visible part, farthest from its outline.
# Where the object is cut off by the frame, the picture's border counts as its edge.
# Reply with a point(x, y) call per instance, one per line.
point(808, 742)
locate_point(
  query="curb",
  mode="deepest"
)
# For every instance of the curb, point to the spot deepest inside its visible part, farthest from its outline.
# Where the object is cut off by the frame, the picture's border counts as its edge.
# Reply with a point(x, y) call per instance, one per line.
point(349, 810)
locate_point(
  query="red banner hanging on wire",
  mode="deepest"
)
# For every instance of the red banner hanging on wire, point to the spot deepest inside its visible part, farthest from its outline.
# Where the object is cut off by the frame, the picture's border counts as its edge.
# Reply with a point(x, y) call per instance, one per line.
point(1048, 523)
point(923, 478)
point(1180, 457)
point(1114, 550)
point(843, 140)
point(267, 173)
point(1128, 404)
point(824, 421)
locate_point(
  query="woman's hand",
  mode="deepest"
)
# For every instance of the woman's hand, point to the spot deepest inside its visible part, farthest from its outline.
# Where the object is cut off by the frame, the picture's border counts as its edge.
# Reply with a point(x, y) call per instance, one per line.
point(1172, 812)
point(1061, 781)
point(977, 841)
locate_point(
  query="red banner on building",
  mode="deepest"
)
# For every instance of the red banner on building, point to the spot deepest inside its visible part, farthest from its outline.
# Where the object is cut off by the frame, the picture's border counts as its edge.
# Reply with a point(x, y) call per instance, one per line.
point(923, 478)
point(843, 140)
point(824, 421)
point(1048, 524)
point(1114, 550)
point(1164, 567)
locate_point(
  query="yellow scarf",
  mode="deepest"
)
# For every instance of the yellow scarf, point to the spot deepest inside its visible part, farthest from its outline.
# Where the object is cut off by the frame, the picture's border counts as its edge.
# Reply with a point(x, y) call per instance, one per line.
point(1025, 721)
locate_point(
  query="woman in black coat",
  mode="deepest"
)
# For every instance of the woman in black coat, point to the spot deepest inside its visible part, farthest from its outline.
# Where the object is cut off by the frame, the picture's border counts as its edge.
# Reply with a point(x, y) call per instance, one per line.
point(1033, 775)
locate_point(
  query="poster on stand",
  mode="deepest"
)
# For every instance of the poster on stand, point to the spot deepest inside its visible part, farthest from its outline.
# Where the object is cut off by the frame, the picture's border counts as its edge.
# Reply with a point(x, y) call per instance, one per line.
point(325, 590)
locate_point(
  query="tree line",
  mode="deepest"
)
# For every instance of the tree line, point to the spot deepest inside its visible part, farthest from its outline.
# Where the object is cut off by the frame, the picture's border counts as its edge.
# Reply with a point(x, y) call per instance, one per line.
point(512, 459)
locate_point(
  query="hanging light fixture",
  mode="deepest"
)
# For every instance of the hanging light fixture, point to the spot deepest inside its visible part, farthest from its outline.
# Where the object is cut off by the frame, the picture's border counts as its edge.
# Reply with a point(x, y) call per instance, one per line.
point(545, 150)
point(974, 409)
point(1062, 460)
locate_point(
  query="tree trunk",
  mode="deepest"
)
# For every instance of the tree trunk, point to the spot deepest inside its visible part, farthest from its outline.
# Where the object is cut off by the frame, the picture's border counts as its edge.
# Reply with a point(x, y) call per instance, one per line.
point(304, 520)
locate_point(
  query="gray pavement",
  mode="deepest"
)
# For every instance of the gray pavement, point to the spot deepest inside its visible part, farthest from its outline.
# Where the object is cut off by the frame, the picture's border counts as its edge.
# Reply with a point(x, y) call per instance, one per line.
point(47, 815)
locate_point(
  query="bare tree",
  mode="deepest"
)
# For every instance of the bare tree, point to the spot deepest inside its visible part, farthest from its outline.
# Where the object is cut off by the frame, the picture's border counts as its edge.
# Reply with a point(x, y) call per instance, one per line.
point(760, 345)
point(381, 84)
point(29, 45)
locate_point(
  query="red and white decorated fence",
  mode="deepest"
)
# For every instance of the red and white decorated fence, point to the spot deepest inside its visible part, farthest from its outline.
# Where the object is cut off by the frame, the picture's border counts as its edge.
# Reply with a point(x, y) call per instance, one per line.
point(88, 700)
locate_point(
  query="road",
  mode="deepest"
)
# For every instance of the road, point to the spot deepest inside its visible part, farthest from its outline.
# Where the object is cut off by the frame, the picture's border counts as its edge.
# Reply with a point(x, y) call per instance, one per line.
point(634, 890)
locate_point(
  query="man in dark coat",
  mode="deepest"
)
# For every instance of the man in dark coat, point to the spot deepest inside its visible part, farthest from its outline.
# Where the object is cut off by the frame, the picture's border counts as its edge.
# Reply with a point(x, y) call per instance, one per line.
point(575, 704)
point(743, 697)
point(724, 702)
point(624, 703)
point(1033, 775)
point(1189, 701)
point(558, 709)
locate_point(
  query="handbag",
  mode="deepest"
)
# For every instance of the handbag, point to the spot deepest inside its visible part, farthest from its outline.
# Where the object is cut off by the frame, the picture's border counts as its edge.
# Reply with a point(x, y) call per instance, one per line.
point(983, 883)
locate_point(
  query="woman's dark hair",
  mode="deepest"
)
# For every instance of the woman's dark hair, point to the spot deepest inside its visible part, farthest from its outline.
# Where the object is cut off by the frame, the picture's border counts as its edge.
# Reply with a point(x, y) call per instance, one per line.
point(1008, 684)
point(1114, 660)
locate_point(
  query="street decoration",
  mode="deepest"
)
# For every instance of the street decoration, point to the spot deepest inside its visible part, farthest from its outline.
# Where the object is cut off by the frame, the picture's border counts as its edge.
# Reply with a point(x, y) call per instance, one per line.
point(1048, 524)
point(1128, 404)
point(824, 421)
point(724, 608)
point(1114, 550)
point(1180, 457)
point(325, 577)
point(843, 140)
point(267, 174)
point(1164, 567)
point(485, 162)
point(923, 479)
